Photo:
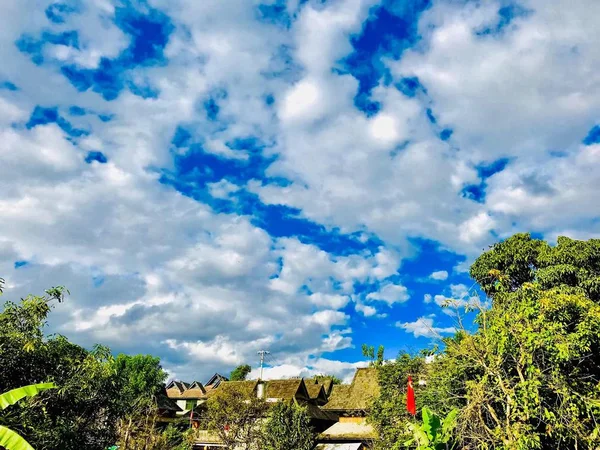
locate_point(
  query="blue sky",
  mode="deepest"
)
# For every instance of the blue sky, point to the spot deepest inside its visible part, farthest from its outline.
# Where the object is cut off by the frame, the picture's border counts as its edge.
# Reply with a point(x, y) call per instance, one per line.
point(214, 178)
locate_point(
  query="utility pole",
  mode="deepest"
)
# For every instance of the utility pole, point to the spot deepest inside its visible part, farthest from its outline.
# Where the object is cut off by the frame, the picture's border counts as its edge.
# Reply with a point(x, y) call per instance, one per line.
point(262, 354)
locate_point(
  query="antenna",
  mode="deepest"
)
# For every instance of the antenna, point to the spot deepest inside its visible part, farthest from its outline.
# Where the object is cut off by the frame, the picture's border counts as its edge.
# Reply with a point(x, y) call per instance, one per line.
point(262, 354)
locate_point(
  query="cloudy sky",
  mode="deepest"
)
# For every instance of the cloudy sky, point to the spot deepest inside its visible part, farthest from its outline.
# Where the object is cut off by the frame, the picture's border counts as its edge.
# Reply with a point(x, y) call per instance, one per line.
point(211, 178)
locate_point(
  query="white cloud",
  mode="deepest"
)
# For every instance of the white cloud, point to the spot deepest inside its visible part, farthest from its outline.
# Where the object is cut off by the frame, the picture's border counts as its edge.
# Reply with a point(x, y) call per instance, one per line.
point(365, 310)
point(390, 293)
point(460, 299)
point(301, 101)
point(439, 275)
point(177, 278)
point(383, 127)
point(424, 327)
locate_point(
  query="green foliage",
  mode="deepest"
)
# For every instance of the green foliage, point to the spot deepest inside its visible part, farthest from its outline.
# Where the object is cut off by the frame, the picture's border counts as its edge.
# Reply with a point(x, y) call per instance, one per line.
point(520, 259)
point(321, 378)
point(529, 377)
point(94, 393)
point(12, 441)
point(508, 264)
point(240, 372)
point(9, 439)
point(376, 358)
point(432, 433)
point(535, 369)
point(233, 416)
point(442, 393)
point(287, 427)
point(140, 377)
point(13, 396)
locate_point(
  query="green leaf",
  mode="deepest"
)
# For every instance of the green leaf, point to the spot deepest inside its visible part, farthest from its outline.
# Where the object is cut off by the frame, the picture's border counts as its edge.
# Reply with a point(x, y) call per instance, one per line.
point(431, 423)
point(12, 397)
point(12, 441)
point(448, 425)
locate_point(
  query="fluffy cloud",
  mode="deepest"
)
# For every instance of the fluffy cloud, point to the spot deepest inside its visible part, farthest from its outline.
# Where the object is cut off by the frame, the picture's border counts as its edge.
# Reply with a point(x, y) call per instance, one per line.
point(181, 244)
point(439, 275)
point(424, 327)
point(390, 293)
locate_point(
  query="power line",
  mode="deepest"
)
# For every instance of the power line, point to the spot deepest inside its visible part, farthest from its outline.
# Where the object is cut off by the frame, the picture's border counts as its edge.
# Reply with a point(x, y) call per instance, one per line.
point(262, 354)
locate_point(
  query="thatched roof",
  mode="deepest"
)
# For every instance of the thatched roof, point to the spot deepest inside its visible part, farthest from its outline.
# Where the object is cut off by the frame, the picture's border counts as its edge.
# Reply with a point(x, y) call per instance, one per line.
point(195, 390)
point(286, 389)
point(247, 388)
point(164, 403)
point(215, 380)
point(357, 396)
point(274, 389)
point(327, 385)
point(314, 389)
point(175, 385)
point(194, 393)
point(314, 412)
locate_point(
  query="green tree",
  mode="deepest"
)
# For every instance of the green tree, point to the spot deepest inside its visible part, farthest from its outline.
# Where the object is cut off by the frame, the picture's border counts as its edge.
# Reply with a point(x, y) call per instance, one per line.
point(520, 259)
point(240, 372)
point(323, 377)
point(529, 376)
point(533, 367)
point(141, 379)
point(9, 439)
point(376, 358)
point(534, 371)
point(95, 391)
point(83, 411)
point(388, 414)
point(287, 427)
point(233, 416)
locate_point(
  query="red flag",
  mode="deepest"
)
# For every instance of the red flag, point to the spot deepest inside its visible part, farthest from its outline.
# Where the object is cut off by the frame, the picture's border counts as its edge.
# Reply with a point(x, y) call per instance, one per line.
point(410, 397)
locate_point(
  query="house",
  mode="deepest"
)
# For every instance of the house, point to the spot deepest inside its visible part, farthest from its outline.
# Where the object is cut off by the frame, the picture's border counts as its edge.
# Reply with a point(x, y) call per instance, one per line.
point(167, 408)
point(295, 390)
point(190, 395)
point(351, 403)
point(273, 391)
point(319, 390)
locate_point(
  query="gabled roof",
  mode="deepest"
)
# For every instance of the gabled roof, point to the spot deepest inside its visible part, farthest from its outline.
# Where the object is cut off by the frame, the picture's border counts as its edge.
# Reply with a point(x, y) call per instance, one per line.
point(215, 380)
point(247, 388)
point(286, 389)
point(183, 390)
point(357, 396)
point(165, 404)
point(290, 389)
point(193, 393)
point(327, 385)
point(176, 386)
point(316, 391)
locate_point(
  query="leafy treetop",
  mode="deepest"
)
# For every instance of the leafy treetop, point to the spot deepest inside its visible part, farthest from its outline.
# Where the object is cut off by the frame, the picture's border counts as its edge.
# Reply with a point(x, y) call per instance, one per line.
point(240, 372)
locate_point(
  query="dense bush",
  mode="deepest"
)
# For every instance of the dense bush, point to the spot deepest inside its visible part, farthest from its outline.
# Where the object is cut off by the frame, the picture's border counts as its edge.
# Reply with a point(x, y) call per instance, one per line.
point(529, 377)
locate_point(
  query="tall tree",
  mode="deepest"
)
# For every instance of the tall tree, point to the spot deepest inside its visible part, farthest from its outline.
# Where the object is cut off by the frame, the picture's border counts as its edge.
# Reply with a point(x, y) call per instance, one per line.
point(94, 391)
point(233, 415)
point(141, 379)
point(528, 377)
point(287, 427)
point(240, 373)
point(376, 358)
